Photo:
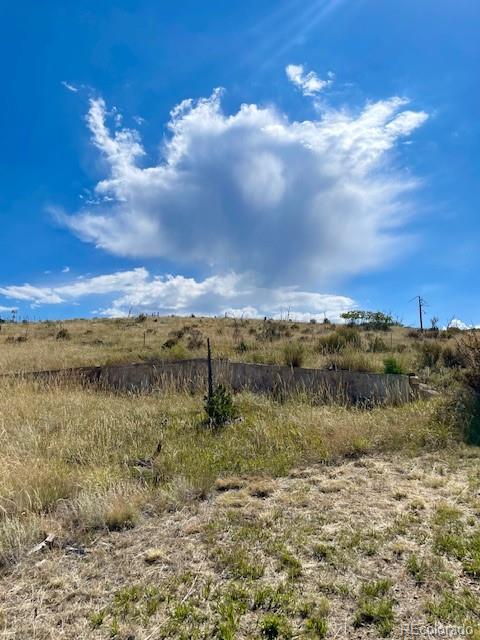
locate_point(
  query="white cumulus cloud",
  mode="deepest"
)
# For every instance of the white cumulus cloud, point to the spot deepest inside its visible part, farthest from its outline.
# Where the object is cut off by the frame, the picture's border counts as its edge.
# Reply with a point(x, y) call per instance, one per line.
point(308, 83)
point(136, 290)
point(295, 203)
point(456, 323)
point(29, 293)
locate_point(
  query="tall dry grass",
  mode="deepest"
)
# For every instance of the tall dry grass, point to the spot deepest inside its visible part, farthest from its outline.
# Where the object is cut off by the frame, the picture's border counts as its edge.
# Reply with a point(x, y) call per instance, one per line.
point(75, 460)
point(93, 342)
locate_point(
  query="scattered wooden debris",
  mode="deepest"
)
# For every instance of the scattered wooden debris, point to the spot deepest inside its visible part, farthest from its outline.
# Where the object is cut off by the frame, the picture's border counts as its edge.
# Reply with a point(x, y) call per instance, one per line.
point(46, 544)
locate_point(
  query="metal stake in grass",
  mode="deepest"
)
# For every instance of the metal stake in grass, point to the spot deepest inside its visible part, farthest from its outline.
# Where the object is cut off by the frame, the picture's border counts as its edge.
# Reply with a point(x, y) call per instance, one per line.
point(210, 375)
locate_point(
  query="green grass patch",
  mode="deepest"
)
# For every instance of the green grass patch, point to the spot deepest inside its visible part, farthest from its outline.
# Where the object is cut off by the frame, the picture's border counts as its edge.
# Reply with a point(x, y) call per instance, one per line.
point(375, 607)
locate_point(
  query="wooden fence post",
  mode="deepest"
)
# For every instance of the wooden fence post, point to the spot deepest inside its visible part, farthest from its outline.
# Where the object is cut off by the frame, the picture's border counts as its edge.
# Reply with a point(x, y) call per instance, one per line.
point(210, 375)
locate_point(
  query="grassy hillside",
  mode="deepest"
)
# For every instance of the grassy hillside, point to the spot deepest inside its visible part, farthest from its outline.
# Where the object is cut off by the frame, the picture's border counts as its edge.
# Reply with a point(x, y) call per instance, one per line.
point(50, 345)
point(212, 533)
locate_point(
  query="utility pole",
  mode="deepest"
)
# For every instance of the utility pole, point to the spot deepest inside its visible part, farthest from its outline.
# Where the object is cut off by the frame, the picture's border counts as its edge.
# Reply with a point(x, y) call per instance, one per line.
point(421, 304)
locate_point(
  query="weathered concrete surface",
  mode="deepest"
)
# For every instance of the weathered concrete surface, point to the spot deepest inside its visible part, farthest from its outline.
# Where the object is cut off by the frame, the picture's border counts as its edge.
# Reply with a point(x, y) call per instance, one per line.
point(280, 381)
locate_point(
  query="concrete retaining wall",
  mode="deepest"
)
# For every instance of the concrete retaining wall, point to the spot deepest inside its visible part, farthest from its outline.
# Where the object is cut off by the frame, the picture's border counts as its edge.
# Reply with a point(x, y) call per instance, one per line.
point(191, 375)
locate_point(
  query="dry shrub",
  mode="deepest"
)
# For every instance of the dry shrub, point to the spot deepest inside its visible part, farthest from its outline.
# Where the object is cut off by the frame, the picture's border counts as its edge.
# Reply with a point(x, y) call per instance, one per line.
point(270, 332)
point(339, 340)
point(429, 354)
point(36, 486)
point(14, 339)
point(460, 410)
point(177, 334)
point(458, 413)
point(261, 488)
point(114, 509)
point(453, 358)
point(176, 352)
point(241, 347)
point(469, 350)
point(377, 345)
point(293, 354)
point(120, 514)
point(18, 534)
point(195, 340)
point(351, 360)
point(229, 483)
point(154, 555)
point(416, 334)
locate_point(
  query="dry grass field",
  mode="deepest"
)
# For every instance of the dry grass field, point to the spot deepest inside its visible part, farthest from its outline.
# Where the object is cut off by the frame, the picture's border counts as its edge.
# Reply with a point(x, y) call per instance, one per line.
point(294, 520)
point(51, 345)
point(370, 547)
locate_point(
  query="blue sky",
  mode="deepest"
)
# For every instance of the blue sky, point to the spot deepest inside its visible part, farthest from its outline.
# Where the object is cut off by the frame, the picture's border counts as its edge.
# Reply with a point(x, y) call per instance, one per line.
point(351, 179)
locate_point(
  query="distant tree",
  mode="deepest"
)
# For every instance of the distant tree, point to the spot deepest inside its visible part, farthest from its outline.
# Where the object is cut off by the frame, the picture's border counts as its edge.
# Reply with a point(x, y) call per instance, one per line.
point(370, 319)
point(352, 317)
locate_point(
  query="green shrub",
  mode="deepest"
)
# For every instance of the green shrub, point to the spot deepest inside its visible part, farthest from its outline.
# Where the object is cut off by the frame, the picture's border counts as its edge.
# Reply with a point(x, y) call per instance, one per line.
point(339, 340)
point(392, 365)
point(241, 347)
point(219, 407)
point(350, 360)
point(290, 563)
point(317, 626)
point(351, 335)
point(418, 568)
point(429, 354)
point(240, 564)
point(176, 352)
point(369, 319)
point(375, 607)
point(293, 354)
point(274, 625)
